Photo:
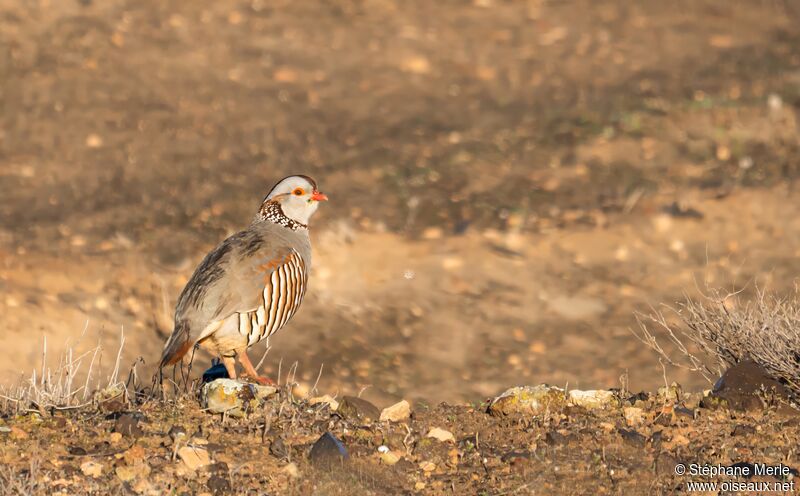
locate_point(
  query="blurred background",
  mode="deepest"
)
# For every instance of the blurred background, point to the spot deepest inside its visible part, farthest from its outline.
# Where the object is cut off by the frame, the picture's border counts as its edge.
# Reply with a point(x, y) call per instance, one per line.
point(509, 181)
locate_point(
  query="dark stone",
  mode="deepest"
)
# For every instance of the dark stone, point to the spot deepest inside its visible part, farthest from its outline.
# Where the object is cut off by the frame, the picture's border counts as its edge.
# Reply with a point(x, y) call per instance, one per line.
point(682, 411)
point(747, 469)
point(127, 424)
point(216, 371)
point(640, 396)
point(218, 468)
point(328, 451)
point(219, 484)
point(77, 451)
point(744, 430)
point(278, 449)
point(632, 437)
point(678, 210)
point(742, 387)
point(177, 432)
point(356, 409)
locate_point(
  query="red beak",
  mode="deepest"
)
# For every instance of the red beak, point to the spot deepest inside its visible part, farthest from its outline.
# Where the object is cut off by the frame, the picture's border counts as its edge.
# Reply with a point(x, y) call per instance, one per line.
point(317, 196)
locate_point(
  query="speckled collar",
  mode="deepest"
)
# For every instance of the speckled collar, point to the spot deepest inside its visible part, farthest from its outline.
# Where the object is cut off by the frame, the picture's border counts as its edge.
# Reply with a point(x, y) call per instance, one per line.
point(272, 211)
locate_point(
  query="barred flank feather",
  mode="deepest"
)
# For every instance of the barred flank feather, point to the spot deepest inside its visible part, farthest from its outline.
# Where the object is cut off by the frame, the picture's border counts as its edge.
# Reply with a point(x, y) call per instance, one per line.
point(279, 301)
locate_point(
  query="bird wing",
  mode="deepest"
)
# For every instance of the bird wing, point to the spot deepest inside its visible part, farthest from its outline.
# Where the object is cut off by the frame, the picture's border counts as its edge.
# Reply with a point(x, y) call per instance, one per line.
point(230, 279)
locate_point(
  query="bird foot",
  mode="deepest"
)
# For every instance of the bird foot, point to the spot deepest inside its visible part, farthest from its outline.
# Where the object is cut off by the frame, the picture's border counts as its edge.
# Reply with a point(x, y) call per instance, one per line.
point(263, 380)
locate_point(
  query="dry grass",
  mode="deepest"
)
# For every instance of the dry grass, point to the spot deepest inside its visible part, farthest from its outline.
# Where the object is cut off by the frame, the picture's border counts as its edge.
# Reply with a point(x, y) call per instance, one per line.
point(729, 329)
point(71, 384)
point(26, 482)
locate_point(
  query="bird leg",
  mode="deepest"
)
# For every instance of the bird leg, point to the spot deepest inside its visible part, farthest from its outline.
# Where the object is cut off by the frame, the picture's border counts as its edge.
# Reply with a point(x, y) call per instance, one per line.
point(230, 365)
point(250, 371)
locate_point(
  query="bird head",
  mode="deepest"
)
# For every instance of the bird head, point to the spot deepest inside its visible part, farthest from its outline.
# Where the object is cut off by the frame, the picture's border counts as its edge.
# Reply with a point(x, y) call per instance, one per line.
point(297, 196)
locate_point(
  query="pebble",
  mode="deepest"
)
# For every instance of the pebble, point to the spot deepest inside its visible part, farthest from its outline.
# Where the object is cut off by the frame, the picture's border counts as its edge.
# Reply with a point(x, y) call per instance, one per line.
point(291, 470)
point(177, 433)
point(427, 466)
point(234, 397)
point(396, 413)
point(128, 425)
point(352, 408)
point(441, 434)
point(528, 399)
point(390, 457)
point(327, 451)
point(92, 468)
point(194, 458)
point(593, 399)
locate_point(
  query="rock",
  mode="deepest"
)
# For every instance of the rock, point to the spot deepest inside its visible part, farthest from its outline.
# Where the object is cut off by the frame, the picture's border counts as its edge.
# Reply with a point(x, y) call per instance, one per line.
point(593, 399)
point(194, 458)
point(396, 413)
point(219, 484)
point(743, 430)
point(125, 473)
point(177, 433)
point(529, 399)
point(127, 424)
point(92, 469)
point(326, 398)
point(427, 466)
point(634, 416)
point(441, 434)
point(328, 451)
point(356, 409)
point(390, 457)
point(234, 397)
point(291, 470)
point(278, 448)
point(134, 455)
point(745, 387)
point(115, 437)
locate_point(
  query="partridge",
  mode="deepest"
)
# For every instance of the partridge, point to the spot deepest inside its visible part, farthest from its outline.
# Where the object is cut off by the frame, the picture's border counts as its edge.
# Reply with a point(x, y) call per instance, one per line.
point(249, 286)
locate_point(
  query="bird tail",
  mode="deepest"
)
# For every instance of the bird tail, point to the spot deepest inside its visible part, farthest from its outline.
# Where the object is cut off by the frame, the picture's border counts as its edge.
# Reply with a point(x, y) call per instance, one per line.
point(178, 344)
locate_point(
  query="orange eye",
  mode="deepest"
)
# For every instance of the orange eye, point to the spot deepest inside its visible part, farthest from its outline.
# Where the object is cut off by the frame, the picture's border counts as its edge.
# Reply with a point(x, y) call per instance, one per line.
point(299, 192)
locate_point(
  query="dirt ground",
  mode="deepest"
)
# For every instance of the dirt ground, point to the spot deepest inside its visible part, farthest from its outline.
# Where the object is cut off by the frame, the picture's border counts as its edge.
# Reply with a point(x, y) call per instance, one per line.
point(634, 447)
point(509, 181)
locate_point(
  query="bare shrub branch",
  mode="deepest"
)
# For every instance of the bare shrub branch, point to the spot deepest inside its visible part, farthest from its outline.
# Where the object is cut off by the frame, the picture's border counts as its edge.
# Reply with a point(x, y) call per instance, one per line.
point(730, 330)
